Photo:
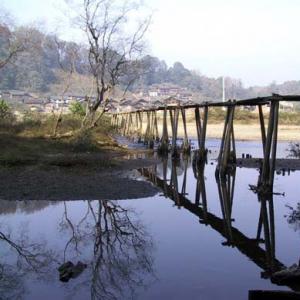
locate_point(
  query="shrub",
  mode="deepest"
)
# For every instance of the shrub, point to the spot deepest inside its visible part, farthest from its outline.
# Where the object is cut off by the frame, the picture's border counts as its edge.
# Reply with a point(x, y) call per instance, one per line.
point(294, 150)
point(77, 109)
point(5, 110)
point(82, 142)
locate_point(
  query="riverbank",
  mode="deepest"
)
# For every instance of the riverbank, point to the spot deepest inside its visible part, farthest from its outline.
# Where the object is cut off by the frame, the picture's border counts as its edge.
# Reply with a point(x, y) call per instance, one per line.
point(86, 166)
point(115, 181)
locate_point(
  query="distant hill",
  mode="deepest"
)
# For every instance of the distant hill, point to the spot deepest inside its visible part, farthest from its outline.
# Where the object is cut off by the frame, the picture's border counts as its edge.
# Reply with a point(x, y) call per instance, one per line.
point(38, 70)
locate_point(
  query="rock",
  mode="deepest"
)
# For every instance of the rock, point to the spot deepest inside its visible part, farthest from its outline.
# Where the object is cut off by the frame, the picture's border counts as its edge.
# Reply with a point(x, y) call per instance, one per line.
point(68, 270)
point(65, 271)
point(286, 276)
point(78, 269)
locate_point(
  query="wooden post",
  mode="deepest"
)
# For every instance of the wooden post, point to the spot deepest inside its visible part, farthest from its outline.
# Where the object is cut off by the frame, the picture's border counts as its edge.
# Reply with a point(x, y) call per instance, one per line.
point(147, 132)
point(156, 127)
point(222, 143)
point(136, 125)
point(174, 125)
point(186, 147)
point(203, 132)
point(125, 124)
point(164, 143)
point(266, 162)
point(198, 126)
point(266, 179)
point(227, 148)
point(274, 143)
point(151, 130)
point(200, 155)
point(140, 128)
point(262, 126)
point(129, 127)
point(112, 119)
point(226, 155)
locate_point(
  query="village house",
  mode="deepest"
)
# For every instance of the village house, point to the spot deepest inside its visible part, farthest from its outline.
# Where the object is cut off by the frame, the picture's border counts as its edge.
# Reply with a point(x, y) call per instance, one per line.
point(172, 101)
point(17, 96)
point(167, 90)
point(126, 104)
point(142, 103)
point(286, 106)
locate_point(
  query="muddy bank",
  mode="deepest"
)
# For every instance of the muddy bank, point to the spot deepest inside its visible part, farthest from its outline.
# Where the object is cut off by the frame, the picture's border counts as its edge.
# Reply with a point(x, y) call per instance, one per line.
point(115, 181)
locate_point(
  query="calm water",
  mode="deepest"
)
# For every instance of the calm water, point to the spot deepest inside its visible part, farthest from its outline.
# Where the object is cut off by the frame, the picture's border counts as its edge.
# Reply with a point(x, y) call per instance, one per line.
point(197, 243)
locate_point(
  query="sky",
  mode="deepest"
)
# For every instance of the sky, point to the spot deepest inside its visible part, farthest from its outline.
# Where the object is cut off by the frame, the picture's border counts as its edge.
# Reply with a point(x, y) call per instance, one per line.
point(256, 41)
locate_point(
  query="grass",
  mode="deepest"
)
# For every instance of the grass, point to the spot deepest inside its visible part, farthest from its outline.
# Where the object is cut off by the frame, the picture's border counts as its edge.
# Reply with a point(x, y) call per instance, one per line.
point(29, 142)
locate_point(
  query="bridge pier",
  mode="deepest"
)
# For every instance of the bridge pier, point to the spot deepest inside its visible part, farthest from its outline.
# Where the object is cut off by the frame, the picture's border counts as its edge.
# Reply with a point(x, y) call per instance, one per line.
point(125, 124)
point(156, 134)
point(186, 147)
point(140, 126)
point(148, 129)
point(174, 126)
point(266, 179)
point(130, 126)
point(200, 155)
point(227, 152)
point(163, 148)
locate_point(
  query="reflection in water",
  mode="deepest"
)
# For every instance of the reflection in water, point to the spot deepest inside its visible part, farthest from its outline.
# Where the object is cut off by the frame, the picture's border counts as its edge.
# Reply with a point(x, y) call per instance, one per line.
point(263, 256)
point(109, 238)
point(294, 217)
point(11, 207)
point(226, 192)
point(28, 257)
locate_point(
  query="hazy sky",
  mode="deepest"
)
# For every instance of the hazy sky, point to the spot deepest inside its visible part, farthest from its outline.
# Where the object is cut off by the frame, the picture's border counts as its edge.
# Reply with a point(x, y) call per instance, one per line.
point(256, 41)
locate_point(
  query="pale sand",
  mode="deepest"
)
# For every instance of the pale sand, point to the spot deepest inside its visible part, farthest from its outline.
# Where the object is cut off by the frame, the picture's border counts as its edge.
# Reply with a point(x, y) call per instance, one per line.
point(242, 131)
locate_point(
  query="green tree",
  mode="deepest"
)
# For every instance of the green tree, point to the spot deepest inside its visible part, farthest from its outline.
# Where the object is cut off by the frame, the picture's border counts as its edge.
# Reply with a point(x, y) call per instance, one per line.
point(77, 109)
point(5, 111)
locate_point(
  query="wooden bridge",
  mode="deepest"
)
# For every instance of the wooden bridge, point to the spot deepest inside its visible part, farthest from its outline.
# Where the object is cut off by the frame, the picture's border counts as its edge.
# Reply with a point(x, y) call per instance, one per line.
point(130, 123)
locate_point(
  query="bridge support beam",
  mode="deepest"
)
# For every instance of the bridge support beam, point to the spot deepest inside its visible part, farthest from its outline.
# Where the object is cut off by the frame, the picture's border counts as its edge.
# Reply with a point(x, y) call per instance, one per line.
point(125, 124)
point(147, 131)
point(163, 148)
point(174, 124)
point(200, 154)
point(227, 152)
point(140, 126)
point(186, 146)
point(265, 184)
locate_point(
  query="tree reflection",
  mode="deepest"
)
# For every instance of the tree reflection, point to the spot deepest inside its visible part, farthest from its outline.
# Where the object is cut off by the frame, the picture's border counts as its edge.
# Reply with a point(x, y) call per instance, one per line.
point(121, 259)
point(293, 218)
point(108, 237)
point(28, 258)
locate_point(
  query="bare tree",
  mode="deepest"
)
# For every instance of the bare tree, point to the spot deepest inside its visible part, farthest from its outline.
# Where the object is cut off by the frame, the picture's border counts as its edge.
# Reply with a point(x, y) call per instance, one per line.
point(11, 41)
point(68, 54)
point(115, 43)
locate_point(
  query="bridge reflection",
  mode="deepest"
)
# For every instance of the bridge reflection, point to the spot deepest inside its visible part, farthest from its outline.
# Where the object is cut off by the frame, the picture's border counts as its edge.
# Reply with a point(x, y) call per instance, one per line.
point(260, 250)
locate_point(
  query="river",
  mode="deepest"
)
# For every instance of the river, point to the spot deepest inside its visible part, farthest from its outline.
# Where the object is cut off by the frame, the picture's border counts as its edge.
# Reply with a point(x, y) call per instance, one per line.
point(196, 239)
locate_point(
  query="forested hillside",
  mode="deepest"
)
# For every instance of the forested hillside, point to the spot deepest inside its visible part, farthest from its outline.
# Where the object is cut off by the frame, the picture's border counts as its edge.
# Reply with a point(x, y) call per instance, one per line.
point(41, 66)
